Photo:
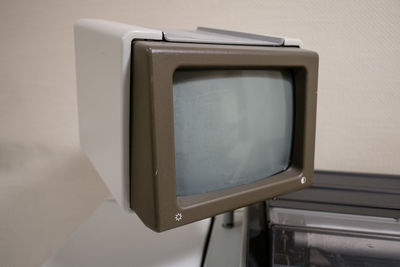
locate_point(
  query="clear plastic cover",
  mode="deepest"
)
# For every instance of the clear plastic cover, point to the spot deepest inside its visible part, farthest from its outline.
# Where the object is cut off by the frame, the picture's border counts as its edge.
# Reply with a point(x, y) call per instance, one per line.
point(332, 247)
point(232, 127)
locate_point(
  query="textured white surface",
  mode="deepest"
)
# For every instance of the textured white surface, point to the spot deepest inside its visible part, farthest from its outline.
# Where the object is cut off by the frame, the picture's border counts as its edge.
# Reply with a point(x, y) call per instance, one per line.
point(358, 125)
point(103, 60)
point(358, 103)
point(111, 237)
point(45, 193)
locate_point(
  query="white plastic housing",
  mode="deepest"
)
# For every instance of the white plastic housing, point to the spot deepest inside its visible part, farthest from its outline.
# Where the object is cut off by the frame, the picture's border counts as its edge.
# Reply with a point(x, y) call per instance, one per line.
point(103, 59)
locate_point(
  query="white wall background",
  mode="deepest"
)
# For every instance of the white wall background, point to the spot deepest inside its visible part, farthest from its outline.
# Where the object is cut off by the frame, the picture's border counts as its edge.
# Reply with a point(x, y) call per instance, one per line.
point(47, 187)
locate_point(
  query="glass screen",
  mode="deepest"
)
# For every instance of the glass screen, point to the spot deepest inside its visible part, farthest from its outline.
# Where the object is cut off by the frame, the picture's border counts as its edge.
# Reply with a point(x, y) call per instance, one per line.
point(232, 127)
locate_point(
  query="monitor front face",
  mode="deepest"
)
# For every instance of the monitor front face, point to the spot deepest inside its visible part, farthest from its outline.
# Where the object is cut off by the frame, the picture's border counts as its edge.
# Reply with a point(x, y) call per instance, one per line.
point(217, 127)
point(232, 127)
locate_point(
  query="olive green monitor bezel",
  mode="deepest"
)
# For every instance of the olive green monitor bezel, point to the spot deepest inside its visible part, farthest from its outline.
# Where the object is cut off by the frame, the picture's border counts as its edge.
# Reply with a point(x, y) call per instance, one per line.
point(152, 173)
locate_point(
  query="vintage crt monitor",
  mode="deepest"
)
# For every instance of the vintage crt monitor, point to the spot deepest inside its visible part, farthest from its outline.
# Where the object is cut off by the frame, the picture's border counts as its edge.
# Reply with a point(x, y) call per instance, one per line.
point(184, 125)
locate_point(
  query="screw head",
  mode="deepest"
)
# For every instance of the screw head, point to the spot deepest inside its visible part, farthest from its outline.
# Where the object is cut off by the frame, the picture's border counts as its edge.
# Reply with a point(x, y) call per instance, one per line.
point(303, 180)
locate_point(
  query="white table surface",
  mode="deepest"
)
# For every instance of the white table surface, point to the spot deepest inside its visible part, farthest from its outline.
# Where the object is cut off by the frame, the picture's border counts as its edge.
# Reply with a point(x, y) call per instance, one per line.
point(111, 237)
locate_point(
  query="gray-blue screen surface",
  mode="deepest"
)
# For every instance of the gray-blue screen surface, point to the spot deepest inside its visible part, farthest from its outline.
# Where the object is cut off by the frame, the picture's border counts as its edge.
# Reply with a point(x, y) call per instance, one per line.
point(232, 127)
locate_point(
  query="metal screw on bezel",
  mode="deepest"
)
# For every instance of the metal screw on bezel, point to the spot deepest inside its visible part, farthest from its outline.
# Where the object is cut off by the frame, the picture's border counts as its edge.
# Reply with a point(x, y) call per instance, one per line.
point(303, 180)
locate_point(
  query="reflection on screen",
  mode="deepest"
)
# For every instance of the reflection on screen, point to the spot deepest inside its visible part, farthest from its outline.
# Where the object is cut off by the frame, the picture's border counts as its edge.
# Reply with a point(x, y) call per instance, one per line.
point(232, 127)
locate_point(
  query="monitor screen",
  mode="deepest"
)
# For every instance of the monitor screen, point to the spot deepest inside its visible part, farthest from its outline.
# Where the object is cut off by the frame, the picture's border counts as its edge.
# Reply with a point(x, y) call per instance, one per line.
point(218, 127)
point(231, 127)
